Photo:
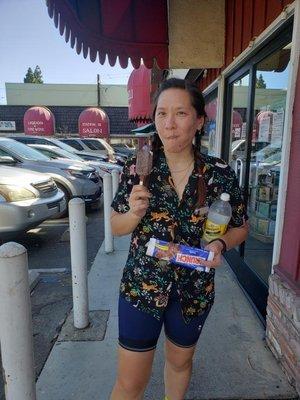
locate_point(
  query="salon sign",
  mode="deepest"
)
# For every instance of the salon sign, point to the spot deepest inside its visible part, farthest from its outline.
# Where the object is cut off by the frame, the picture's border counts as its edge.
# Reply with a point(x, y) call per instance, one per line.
point(7, 126)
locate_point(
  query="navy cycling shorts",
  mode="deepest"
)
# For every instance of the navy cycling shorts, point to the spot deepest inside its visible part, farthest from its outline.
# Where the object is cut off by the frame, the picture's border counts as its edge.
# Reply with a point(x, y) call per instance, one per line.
point(139, 331)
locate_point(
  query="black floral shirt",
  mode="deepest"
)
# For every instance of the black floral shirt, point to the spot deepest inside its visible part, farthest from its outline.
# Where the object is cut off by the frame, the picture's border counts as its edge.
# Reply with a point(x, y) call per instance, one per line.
point(147, 281)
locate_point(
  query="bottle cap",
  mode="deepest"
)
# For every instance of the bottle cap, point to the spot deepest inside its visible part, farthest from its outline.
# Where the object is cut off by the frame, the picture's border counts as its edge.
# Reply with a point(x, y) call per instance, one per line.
point(225, 197)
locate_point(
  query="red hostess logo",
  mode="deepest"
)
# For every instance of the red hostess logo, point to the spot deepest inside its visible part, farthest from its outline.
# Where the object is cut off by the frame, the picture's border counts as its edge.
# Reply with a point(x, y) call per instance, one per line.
point(188, 259)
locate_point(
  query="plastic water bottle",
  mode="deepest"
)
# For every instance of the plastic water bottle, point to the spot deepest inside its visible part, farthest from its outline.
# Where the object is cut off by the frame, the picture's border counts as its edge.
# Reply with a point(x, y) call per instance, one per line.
point(219, 215)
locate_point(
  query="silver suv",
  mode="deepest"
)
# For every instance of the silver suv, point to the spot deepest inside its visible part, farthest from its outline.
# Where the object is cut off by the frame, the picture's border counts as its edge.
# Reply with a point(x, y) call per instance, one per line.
point(27, 198)
point(74, 179)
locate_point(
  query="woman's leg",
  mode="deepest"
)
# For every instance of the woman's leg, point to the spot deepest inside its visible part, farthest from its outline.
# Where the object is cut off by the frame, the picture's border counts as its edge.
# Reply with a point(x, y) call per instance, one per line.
point(134, 369)
point(178, 370)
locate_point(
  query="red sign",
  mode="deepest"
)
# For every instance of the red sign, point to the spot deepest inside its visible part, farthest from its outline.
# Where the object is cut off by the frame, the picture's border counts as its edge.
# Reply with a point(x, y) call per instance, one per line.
point(93, 122)
point(139, 93)
point(39, 121)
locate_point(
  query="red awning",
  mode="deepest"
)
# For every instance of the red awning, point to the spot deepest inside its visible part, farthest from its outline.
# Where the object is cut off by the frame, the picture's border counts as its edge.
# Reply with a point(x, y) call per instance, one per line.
point(116, 28)
point(93, 122)
point(139, 89)
point(39, 121)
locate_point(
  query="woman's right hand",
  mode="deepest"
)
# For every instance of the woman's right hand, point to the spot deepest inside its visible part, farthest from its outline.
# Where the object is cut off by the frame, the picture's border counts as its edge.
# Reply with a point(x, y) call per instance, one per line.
point(139, 200)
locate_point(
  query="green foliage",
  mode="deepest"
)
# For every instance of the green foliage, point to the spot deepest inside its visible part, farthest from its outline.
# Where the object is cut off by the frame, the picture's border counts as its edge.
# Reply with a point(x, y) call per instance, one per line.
point(260, 82)
point(34, 77)
point(29, 76)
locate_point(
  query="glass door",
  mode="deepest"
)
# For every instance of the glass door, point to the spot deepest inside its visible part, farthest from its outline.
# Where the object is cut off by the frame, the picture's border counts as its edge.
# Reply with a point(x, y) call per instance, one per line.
point(255, 105)
point(265, 159)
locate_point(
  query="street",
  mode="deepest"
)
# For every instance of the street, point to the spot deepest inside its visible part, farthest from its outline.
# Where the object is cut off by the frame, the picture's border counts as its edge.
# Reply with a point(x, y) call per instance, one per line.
point(48, 249)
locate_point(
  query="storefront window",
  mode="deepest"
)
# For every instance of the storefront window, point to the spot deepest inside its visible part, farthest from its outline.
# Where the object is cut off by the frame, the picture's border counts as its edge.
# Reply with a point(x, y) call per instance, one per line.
point(208, 141)
point(238, 143)
point(265, 159)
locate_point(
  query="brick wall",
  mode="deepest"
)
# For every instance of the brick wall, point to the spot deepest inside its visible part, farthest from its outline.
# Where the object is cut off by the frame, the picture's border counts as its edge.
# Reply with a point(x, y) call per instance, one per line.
point(283, 327)
point(66, 118)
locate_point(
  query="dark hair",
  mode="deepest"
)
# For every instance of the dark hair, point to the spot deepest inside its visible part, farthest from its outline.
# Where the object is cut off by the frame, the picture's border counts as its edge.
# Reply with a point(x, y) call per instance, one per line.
point(198, 103)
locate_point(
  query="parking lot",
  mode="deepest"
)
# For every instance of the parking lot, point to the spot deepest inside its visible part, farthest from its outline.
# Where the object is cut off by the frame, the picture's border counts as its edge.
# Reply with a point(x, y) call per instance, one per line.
point(48, 249)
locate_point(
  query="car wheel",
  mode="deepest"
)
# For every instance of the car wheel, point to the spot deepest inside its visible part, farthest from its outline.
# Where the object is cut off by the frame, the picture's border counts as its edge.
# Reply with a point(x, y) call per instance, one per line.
point(67, 198)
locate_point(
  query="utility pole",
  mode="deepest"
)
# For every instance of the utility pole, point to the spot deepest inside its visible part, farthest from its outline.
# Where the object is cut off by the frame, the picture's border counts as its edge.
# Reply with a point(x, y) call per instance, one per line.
point(98, 90)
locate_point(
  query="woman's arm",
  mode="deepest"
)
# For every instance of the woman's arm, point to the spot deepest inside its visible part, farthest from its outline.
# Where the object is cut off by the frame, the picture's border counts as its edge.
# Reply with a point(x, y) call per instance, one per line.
point(125, 223)
point(233, 237)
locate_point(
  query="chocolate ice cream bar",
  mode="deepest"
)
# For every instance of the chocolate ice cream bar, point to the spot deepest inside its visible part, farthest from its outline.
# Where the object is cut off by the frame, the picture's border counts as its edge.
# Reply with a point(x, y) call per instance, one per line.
point(143, 162)
point(189, 257)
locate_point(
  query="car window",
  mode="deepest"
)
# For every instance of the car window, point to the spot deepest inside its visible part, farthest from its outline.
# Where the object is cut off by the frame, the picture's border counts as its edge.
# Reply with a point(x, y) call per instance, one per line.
point(74, 144)
point(93, 144)
point(22, 150)
point(67, 154)
point(47, 153)
point(23, 139)
point(3, 153)
point(40, 141)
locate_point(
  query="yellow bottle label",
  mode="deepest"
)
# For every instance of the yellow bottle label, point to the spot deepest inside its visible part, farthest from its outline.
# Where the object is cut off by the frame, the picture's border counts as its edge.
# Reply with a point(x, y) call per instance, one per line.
point(213, 231)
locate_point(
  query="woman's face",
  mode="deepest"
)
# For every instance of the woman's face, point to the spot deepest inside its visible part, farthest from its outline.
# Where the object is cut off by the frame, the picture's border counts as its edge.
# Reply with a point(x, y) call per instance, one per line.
point(176, 120)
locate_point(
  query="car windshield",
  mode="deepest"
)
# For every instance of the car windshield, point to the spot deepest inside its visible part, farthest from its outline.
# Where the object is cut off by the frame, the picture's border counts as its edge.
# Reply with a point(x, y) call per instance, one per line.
point(63, 153)
point(96, 144)
point(23, 151)
point(63, 145)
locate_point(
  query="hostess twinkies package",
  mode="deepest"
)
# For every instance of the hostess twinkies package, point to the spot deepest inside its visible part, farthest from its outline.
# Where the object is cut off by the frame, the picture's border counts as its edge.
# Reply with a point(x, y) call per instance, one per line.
point(180, 254)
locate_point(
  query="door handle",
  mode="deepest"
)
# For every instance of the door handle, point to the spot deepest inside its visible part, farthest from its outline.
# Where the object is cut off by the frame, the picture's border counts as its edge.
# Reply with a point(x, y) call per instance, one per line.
point(239, 163)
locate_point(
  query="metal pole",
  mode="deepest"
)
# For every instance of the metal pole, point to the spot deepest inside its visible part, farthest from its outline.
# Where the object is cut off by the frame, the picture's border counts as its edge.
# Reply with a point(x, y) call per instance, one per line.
point(78, 246)
point(98, 90)
point(16, 324)
point(107, 189)
point(115, 181)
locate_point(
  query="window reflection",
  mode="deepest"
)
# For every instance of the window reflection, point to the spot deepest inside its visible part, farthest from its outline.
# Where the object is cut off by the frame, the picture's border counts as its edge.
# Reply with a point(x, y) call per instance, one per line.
point(208, 142)
point(265, 159)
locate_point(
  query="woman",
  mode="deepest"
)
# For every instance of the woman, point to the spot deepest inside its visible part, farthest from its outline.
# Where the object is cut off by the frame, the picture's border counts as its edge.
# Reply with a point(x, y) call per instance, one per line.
point(171, 206)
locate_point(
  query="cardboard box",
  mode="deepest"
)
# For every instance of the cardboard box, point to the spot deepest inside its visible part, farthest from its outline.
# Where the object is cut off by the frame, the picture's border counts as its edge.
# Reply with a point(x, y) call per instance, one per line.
point(264, 193)
point(271, 230)
point(253, 222)
point(263, 226)
point(267, 209)
point(263, 208)
point(275, 193)
point(266, 226)
point(273, 211)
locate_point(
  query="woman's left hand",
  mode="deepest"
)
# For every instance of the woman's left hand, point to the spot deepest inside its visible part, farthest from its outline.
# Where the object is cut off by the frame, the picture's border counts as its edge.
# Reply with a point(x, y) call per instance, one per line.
point(217, 248)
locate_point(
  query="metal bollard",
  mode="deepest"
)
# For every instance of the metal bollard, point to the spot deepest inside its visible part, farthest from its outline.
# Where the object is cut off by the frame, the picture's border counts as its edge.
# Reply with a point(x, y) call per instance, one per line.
point(107, 189)
point(115, 181)
point(16, 324)
point(79, 262)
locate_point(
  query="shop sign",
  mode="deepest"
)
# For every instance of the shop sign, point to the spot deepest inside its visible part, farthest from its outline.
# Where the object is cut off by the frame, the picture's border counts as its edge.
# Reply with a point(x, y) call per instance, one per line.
point(7, 126)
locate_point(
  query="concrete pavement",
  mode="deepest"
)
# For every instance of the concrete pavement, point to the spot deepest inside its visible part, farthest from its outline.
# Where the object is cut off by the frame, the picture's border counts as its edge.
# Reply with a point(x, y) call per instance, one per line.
point(232, 360)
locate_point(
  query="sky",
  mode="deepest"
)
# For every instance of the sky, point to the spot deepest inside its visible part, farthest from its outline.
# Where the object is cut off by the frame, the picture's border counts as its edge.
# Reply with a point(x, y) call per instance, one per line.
point(28, 38)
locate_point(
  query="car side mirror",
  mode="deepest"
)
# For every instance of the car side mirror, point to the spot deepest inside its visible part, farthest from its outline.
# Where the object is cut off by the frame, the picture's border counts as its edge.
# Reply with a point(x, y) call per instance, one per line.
point(7, 160)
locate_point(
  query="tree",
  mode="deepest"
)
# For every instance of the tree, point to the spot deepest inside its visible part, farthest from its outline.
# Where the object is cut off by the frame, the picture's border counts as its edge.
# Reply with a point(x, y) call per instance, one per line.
point(34, 77)
point(260, 82)
point(38, 78)
point(29, 76)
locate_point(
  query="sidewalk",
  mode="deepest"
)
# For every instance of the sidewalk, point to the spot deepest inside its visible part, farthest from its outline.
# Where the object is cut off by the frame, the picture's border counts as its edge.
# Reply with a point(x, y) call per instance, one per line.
point(232, 360)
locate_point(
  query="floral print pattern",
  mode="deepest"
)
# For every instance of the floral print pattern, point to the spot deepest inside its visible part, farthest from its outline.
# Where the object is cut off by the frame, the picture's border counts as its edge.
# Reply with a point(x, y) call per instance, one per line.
point(146, 281)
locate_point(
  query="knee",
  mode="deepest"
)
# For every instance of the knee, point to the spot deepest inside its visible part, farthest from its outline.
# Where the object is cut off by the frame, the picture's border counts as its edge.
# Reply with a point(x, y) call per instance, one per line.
point(133, 388)
point(179, 364)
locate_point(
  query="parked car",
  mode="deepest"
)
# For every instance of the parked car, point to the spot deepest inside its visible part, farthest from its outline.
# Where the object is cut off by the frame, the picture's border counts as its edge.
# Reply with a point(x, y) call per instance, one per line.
point(238, 148)
point(124, 149)
point(97, 146)
point(89, 155)
point(60, 154)
point(51, 141)
point(74, 179)
point(27, 198)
